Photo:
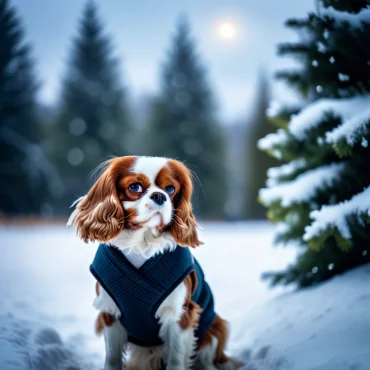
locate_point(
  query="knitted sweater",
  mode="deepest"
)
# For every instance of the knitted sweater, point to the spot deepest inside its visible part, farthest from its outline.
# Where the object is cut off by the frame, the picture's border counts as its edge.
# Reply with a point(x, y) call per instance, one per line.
point(139, 292)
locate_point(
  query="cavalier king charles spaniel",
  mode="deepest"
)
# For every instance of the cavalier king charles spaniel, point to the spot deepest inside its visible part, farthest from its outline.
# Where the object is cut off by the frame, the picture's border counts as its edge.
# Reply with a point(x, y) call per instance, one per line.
point(156, 309)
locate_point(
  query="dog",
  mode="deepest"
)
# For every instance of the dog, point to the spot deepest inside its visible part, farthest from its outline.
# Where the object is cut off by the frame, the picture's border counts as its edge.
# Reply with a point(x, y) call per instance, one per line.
point(156, 309)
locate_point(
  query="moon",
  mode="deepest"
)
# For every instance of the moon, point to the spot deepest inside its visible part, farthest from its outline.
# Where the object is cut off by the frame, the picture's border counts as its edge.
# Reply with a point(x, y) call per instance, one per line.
point(227, 30)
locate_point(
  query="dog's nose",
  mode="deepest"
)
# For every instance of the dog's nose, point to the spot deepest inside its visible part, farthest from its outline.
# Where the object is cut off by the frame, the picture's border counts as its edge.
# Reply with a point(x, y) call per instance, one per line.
point(158, 198)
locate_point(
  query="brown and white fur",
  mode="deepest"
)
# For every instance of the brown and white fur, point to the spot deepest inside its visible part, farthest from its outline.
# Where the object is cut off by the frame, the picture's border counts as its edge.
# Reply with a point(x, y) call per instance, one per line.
point(132, 221)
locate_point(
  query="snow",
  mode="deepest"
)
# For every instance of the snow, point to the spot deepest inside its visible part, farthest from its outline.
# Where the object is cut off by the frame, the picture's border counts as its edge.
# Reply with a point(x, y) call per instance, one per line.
point(313, 115)
point(287, 169)
point(47, 318)
point(315, 63)
point(269, 141)
point(46, 313)
point(303, 188)
point(28, 345)
point(273, 108)
point(351, 130)
point(343, 77)
point(335, 216)
point(354, 19)
point(321, 48)
point(326, 327)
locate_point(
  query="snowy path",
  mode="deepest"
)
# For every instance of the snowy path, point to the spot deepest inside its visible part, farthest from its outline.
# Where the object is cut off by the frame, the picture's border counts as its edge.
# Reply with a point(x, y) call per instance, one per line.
point(46, 316)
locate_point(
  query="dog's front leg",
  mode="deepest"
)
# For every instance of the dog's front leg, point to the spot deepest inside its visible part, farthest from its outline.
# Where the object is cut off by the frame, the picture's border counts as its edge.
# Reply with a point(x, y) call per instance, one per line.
point(176, 348)
point(115, 337)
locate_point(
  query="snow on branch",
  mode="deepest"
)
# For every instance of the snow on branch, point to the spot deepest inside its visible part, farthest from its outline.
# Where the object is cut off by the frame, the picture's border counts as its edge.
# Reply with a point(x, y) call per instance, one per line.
point(288, 169)
point(273, 109)
point(311, 116)
point(354, 19)
point(352, 130)
point(303, 188)
point(336, 216)
point(269, 141)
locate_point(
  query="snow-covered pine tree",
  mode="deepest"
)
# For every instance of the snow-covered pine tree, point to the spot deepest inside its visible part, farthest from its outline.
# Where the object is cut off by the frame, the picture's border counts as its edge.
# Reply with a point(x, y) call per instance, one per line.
point(93, 122)
point(22, 174)
point(183, 125)
point(257, 162)
point(321, 197)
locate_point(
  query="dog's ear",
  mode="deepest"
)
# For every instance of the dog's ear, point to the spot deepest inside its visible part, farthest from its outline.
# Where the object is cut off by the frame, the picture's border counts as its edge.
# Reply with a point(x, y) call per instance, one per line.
point(192, 281)
point(99, 215)
point(184, 225)
point(191, 310)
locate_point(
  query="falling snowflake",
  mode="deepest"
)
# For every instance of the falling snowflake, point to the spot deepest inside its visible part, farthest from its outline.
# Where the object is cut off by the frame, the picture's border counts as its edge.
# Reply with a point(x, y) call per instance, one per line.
point(75, 156)
point(343, 77)
point(321, 48)
point(320, 140)
point(77, 126)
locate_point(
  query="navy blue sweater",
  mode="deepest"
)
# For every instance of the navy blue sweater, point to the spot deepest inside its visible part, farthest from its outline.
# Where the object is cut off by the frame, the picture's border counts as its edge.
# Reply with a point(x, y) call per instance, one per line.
point(139, 292)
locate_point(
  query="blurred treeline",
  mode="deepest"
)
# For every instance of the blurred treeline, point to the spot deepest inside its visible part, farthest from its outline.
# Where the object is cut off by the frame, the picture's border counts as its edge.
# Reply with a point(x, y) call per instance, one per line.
point(48, 152)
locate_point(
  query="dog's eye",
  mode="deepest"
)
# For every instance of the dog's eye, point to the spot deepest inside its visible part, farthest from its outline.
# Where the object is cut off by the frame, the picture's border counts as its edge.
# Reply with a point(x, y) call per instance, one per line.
point(170, 189)
point(135, 188)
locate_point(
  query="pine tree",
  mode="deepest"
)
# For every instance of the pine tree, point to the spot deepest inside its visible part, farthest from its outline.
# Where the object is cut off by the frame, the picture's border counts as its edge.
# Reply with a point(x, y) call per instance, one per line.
point(321, 197)
point(22, 175)
point(183, 124)
point(257, 162)
point(93, 120)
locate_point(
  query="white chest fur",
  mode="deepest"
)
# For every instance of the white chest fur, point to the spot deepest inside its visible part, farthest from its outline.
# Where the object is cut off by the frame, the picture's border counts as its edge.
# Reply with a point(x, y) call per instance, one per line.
point(136, 259)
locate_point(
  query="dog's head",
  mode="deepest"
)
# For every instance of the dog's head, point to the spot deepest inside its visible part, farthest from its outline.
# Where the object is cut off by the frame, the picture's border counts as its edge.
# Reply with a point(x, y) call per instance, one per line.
point(138, 192)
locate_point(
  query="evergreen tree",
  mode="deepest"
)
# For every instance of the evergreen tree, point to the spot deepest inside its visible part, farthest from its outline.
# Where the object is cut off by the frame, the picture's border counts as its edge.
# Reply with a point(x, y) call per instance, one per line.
point(257, 162)
point(21, 160)
point(183, 125)
point(93, 120)
point(321, 197)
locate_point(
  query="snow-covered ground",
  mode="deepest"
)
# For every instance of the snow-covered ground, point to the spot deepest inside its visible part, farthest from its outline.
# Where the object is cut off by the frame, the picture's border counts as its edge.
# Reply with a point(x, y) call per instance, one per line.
point(47, 318)
point(321, 328)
